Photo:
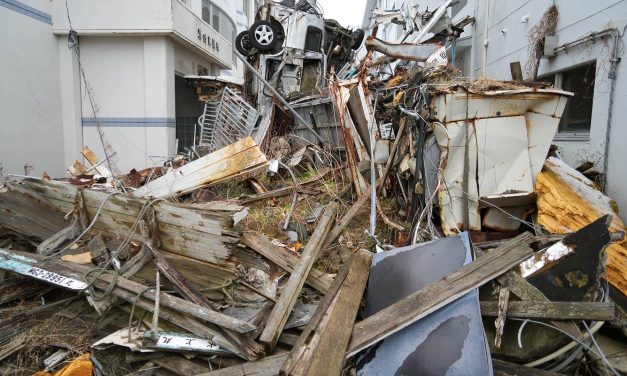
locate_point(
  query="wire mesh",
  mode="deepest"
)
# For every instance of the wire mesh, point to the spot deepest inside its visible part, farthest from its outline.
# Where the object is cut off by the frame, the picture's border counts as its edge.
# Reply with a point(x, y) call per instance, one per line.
point(226, 120)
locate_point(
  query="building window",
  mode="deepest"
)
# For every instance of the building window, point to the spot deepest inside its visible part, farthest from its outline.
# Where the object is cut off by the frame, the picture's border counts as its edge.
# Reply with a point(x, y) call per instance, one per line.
point(218, 20)
point(577, 116)
point(457, 7)
point(578, 112)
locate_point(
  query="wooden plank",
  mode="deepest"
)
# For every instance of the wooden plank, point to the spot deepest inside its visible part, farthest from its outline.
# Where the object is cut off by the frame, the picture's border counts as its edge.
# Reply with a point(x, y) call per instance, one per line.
point(222, 164)
point(438, 294)
point(285, 260)
point(281, 191)
point(30, 217)
point(320, 348)
point(290, 292)
point(526, 291)
point(203, 232)
point(179, 365)
point(171, 301)
point(502, 368)
point(266, 367)
point(597, 311)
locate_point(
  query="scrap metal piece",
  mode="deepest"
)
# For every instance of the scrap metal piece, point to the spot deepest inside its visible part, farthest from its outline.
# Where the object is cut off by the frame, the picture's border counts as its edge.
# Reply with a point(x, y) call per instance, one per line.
point(449, 341)
point(226, 120)
point(405, 51)
point(577, 276)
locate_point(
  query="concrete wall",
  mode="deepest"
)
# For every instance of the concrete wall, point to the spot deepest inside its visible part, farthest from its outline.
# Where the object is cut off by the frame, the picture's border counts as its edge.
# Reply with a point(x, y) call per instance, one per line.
point(508, 24)
point(31, 130)
point(131, 80)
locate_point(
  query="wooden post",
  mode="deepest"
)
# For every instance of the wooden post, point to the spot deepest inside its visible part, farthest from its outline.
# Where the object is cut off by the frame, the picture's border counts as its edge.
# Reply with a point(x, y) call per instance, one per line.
point(320, 348)
point(283, 307)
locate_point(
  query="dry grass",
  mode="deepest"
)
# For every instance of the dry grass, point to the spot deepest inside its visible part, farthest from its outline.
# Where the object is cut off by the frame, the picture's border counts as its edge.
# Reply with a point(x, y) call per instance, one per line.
point(546, 26)
point(46, 337)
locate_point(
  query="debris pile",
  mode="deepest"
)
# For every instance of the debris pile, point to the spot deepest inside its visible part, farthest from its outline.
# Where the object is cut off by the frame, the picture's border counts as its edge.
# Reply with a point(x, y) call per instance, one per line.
point(333, 217)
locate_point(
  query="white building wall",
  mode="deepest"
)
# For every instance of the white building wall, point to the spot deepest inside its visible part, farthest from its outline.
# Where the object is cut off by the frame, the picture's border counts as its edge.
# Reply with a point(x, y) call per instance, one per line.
point(132, 84)
point(31, 130)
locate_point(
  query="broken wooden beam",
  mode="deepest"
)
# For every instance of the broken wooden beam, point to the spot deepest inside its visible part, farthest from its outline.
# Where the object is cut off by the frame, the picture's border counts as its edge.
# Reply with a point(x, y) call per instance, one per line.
point(321, 346)
point(285, 260)
point(526, 291)
point(436, 295)
point(281, 191)
point(228, 162)
point(173, 302)
point(568, 201)
point(203, 232)
point(265, 367)
point(596, 311)
point(502, 368)
point(283, 307)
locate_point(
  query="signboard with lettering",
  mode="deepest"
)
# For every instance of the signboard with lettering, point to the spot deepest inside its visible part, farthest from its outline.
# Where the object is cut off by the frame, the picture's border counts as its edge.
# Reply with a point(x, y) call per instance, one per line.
point(178, 342)
point(56, 279)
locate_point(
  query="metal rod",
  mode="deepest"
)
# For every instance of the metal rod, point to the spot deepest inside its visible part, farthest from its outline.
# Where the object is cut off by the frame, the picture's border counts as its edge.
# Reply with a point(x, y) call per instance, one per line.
point(279, 97)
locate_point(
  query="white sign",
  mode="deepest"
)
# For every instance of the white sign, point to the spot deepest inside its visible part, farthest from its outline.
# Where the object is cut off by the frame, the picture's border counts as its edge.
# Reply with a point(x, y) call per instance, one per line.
point(439, 57)
point(169, 341)
point(55, 278)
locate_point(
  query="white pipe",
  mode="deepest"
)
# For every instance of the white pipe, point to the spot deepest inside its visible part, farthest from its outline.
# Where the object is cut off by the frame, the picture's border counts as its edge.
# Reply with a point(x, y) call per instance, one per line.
point(485, 36)
point(566, 348)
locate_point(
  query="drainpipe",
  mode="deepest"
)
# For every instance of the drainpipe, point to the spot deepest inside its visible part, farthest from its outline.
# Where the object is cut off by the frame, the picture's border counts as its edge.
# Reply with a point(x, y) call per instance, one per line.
point(485, 36)
point(614, 60)
point(473, 45)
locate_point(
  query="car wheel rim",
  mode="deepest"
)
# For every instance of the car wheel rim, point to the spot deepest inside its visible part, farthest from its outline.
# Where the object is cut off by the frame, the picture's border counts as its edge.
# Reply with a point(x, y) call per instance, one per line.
point(264, 35)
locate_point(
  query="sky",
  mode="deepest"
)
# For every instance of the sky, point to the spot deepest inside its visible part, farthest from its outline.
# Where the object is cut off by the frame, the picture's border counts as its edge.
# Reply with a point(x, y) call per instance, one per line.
point(349, 13)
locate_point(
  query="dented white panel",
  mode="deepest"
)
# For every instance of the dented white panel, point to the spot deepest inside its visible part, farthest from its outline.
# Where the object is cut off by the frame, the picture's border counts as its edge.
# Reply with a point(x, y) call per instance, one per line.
point(503, 159)
point(451, 194)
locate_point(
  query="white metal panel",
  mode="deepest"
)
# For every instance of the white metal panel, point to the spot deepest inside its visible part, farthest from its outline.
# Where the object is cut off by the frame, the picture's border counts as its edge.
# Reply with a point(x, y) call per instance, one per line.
point(503, 158)
point(451, 196)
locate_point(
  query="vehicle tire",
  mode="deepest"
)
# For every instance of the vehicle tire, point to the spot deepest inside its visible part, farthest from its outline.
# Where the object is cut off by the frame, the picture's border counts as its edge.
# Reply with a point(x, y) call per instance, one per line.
point(358, 36)
point(263, 35)
point(243, 45)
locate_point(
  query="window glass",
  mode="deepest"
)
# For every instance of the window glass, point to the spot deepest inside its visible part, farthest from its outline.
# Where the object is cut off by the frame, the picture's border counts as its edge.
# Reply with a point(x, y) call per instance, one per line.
point(206, 13)
point(578, 112)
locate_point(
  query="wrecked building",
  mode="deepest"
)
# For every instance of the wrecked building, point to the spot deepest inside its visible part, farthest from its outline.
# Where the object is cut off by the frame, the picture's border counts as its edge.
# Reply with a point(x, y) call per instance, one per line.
point(350, 201)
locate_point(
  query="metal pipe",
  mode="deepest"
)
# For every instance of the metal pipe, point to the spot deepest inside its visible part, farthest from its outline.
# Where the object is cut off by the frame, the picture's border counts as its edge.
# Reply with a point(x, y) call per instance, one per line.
point(485, 37)
point(373, 174)
point(279, 96)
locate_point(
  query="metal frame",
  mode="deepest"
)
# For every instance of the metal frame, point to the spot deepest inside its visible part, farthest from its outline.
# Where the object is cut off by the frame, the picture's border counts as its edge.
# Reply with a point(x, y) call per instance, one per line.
point(226, 120)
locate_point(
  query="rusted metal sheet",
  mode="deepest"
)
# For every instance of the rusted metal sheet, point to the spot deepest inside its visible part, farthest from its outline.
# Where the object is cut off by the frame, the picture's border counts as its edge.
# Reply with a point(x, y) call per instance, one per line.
point(242, 156)
point(405, 51)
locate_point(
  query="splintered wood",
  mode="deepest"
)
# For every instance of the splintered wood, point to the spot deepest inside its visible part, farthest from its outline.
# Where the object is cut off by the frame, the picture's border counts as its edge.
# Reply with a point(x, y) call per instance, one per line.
point(568, 201)
point(203, 232)
point(231, 161)
point(320, 348)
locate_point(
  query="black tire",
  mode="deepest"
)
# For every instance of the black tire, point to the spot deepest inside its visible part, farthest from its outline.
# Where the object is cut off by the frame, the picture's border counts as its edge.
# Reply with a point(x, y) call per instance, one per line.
point(243, 45)
point(358, 36)
point(263, 35)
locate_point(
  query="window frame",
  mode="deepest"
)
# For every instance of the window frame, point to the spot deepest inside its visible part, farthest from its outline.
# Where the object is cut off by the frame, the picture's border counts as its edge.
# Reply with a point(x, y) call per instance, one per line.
point(558, 84)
